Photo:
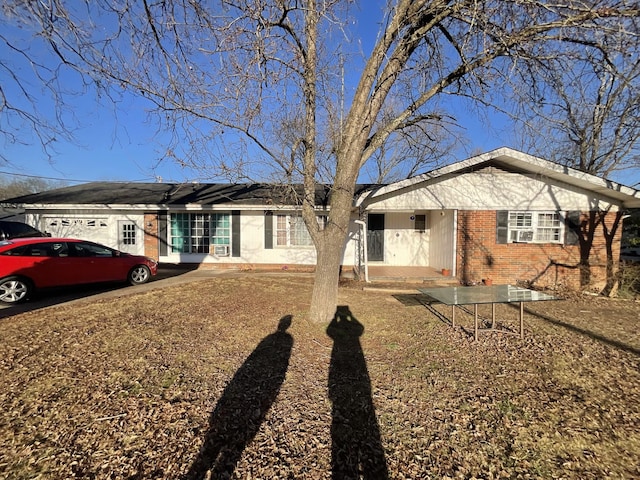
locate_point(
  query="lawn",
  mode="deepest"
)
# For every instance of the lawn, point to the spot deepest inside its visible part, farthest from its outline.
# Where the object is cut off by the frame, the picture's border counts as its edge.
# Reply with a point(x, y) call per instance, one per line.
point(205, 380)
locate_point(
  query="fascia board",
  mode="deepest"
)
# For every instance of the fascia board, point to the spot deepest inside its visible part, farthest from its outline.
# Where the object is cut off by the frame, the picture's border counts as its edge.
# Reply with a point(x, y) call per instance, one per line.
point(155, 207)
point(86, 206)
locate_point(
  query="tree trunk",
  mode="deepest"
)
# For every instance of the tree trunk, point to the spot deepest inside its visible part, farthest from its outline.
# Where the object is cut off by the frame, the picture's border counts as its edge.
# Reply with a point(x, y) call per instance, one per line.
point(324, 299)
point(329, 250)
point(609, 233)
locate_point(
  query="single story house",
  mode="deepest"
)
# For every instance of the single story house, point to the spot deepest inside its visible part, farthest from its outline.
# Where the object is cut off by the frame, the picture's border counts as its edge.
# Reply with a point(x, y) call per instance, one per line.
point(504, 215)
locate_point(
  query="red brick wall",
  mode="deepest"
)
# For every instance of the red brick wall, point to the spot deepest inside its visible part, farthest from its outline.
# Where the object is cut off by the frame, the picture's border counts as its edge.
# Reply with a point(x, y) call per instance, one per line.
point(151, 235)
point(480, 257)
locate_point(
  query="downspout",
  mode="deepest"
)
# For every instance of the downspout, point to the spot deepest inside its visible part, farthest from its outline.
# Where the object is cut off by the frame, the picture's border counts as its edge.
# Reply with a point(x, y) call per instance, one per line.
point(364, 248)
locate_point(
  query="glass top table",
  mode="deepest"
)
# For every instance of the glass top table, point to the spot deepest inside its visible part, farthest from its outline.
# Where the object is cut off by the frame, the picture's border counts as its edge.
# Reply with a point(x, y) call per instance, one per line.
point(456, 296)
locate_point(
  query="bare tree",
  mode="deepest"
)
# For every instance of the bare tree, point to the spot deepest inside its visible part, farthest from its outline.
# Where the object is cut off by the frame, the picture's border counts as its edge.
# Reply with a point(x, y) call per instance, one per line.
point(413, 149)
point(11, 188)
point(225, 76)
point(587, 111)
point(584, 112)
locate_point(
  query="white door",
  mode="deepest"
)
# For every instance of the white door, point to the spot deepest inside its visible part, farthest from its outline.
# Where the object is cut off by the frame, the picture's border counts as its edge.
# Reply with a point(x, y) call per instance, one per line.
point(127, 236)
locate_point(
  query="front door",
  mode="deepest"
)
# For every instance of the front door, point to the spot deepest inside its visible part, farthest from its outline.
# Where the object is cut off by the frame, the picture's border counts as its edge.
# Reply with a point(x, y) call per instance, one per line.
point(375, 237)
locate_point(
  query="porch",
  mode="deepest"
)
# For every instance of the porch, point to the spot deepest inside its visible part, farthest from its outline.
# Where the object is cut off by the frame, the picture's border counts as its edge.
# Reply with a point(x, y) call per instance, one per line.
point(389, 273)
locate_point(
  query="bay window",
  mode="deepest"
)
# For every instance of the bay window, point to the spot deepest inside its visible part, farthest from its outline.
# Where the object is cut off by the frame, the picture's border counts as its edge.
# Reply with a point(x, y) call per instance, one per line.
point(197, 232)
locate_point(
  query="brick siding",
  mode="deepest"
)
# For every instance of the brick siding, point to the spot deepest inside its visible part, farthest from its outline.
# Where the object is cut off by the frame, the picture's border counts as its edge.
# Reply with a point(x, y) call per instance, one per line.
point(480, 257)
point(151, 236)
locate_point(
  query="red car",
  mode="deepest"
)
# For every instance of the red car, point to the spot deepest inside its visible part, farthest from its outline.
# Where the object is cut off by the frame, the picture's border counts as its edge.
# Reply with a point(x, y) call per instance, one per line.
point(27, 264)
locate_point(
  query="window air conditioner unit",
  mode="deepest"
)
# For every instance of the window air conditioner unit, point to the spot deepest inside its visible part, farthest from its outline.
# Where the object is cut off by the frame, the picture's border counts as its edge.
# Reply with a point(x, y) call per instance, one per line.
point(525, 235)
point(221, 250)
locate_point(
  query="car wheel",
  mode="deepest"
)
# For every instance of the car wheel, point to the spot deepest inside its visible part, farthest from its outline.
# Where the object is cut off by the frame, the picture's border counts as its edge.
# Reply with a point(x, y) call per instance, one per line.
point(139, 274)
point(14, 289)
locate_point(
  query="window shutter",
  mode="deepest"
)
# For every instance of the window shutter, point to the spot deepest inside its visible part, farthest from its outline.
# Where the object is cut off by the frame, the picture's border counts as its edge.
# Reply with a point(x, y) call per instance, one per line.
point(502, 226)
point(162, 234)
point(572, 228)
point(268, 229)
point(235, 233)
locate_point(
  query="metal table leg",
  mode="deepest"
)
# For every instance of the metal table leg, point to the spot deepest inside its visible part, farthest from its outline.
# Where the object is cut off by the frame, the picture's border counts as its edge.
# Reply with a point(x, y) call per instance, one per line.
point(521, 321)
point(493, 315)
point(475, 320)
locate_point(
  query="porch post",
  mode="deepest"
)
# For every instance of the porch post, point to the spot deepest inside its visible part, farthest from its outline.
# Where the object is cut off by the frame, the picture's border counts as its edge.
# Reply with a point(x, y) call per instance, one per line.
point(454, 263)
point(363, 233)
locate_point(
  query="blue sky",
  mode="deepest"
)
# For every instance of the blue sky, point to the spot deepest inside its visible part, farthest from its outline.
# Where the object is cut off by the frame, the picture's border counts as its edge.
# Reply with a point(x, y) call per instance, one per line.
point(125, 147)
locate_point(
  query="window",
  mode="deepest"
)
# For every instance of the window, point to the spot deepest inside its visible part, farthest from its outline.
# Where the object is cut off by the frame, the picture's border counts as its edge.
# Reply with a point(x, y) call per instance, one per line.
point(291, 231)
point(127, 233)
point(534, 227)
point(199, 223)
point(180, 236)
point(50, 249)
point(88, 249)
point(197, 232)
point(220, 229)
point(59, 250)
point(65, 222)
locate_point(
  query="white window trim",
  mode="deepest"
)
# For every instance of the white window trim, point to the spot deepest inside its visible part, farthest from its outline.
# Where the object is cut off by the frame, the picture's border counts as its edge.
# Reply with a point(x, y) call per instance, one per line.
point(530, 228)
point(322, 220)
point(127, 237)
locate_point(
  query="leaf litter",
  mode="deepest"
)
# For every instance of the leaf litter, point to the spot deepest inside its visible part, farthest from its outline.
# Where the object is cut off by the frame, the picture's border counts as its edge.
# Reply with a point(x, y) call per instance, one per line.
point(196, 381)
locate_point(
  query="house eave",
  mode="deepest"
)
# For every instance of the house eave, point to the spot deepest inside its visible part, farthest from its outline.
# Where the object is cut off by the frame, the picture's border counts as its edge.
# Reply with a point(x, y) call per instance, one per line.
point(85, 206)
point(154, 207)
point(625, 196)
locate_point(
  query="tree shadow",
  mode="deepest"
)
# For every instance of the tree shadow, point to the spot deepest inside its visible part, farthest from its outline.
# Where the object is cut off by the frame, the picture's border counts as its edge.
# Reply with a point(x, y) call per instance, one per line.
point(583, 331)
point(357, 450)
point(243, 405)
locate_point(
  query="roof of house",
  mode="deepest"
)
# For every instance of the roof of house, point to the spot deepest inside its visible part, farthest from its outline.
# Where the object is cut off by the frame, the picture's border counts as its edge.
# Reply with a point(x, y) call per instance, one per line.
point(115, 193)
point(514, 160)
point(262, 194)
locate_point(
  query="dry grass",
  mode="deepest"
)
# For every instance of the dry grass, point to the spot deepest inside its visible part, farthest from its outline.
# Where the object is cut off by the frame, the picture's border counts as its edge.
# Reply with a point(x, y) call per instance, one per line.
point(176, 381)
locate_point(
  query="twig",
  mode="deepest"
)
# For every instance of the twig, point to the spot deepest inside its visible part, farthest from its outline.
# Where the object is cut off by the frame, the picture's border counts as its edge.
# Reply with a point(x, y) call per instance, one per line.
point(110, 417)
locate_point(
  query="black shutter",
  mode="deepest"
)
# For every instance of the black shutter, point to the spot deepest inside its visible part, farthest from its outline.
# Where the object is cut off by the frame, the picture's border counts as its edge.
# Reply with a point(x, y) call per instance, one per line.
point(572, 228)
point(235, 233)
point(162, 234)
point(502, 226)
point(268, 229)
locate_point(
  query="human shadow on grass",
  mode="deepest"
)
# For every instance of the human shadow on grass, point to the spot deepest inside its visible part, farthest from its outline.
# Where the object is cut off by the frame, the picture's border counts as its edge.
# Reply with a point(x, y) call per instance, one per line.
point(357, 450)
point(243, 405)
